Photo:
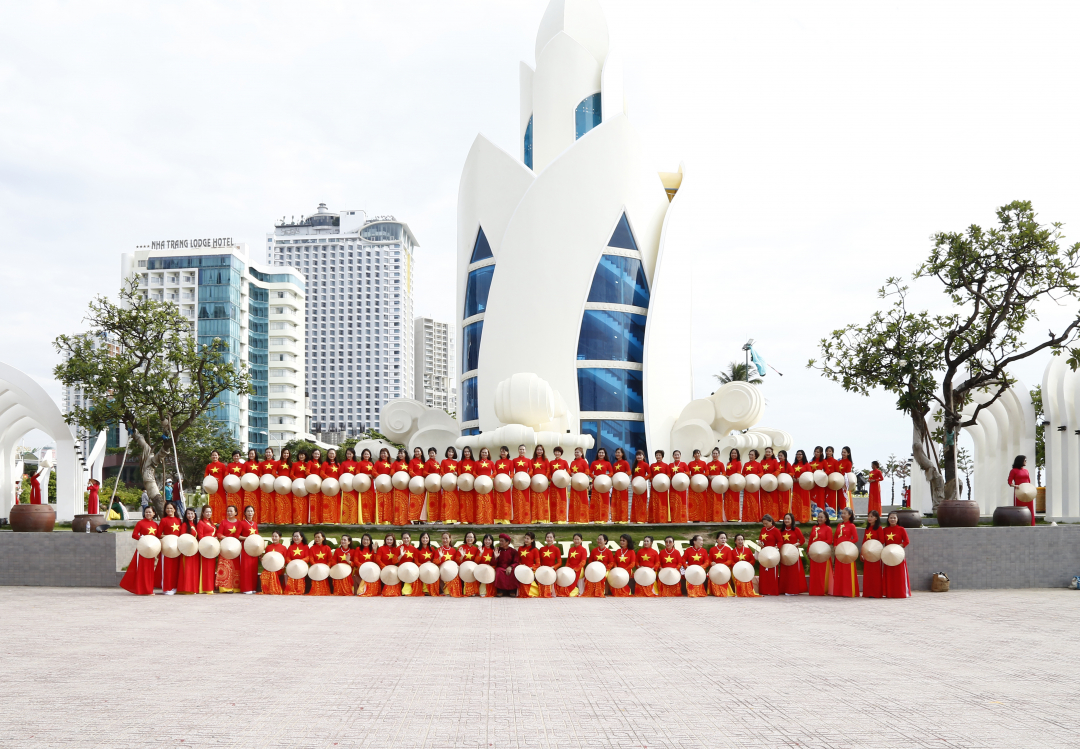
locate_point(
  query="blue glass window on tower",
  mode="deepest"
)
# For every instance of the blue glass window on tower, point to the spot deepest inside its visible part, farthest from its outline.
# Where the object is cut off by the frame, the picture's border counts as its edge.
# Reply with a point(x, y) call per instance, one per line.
point(481, 249)
point(528, 143)
point(587, 115)
point(470, 346)
point(476, 290)
point(610, 434)
point(610, 390)
point(620, 280)
point(470, 408)
point(622, 236)
point(258, 327)
point(611, 336)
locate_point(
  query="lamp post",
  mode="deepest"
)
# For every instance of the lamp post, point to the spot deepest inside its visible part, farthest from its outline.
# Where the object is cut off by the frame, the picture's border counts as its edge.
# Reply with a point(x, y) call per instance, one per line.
point(746, 350)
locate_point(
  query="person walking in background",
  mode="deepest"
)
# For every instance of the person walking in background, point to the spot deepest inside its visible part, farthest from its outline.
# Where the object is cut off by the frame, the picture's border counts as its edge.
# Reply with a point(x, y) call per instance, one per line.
point(876, 477)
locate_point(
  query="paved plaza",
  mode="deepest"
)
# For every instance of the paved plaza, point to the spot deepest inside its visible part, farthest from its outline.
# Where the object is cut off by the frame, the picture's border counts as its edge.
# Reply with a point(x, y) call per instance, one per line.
point(101, 668)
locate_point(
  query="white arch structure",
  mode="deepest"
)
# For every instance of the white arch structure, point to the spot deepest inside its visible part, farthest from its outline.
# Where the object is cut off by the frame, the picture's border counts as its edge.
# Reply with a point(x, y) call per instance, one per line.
point(24, 405)
point(1059, 387)
point(1002, 431)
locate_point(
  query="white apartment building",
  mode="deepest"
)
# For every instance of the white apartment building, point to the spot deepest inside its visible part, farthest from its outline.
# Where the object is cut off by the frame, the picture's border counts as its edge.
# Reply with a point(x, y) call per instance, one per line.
point(257, 310)
point(436, 386)
point(359, 276)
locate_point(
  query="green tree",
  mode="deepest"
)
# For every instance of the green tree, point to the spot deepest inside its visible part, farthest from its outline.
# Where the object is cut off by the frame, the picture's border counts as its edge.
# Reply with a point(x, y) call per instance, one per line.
point(737, 372)
point(935, 363)
point(153, 377)
point(194, 446)
point(892, 470)
point(964, 465)
point(295, 447)
point(1040, 440)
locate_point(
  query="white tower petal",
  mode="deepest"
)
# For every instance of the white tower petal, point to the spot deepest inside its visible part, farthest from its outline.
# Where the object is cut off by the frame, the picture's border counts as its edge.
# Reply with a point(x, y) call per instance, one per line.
point(582, 20)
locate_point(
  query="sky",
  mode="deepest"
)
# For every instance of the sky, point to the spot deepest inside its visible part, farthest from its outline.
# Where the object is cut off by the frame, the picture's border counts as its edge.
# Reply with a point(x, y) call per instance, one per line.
point(827, 143)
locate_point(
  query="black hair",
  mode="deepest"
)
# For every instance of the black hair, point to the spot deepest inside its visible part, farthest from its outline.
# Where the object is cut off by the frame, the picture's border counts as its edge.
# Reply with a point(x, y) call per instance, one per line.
point(828, 522)
point(876, 517)
point(800, 461)
point(629, 540)
point(530, 540)
point(431, 450)
point(845, 447)
point(818, 449)
point(451, 453)
point(768, 517)
point(487, 537)
point(738, 455)
point(1018, 461)
point(784, 522)
point(303, 538)
point(341, 544)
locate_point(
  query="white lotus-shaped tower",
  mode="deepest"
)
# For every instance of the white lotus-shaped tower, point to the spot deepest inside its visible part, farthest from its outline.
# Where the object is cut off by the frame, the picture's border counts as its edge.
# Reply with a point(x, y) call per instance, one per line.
point(572, 263)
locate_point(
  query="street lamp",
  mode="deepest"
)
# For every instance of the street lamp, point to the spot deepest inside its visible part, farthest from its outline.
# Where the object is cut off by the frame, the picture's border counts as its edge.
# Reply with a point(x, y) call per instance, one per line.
point(746, 349)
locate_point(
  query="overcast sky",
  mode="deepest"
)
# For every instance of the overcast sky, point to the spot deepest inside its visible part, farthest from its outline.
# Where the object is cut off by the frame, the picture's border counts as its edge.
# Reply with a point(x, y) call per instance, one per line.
point(827, 142)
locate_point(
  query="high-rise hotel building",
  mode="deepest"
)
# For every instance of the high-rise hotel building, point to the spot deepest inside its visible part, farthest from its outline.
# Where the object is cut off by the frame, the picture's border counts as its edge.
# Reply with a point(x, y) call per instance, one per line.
point(256, 309)
point(359, 275)
point(436, 386)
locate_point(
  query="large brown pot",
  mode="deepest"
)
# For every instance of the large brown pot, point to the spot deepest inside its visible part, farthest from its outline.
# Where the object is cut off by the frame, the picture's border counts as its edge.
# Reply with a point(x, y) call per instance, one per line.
point(1040, 499)
point(32, 518)
point(908, 518)
point(1012, 516)
point(958, 513)
point(78, 524)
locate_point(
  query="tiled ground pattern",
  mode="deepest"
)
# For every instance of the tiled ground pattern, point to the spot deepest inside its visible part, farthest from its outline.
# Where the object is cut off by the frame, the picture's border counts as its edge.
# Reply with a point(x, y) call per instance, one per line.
point(101, 668)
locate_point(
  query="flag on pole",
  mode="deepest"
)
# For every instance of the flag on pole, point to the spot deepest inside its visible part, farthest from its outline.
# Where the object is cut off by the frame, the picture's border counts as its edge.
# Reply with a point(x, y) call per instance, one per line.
point(757, 361)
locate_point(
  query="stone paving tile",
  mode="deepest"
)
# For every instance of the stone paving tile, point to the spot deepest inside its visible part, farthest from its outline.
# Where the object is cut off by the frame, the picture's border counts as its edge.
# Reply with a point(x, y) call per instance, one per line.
point(962, 670)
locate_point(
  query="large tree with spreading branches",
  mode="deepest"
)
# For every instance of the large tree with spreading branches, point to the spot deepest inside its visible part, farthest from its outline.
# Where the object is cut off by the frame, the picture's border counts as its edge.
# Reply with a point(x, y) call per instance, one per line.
point(936, 363)
point(141, 365)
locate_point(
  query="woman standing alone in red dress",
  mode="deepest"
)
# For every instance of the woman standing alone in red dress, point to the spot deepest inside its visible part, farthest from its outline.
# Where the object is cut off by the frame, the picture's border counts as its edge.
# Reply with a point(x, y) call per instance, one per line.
point(1019, 475)
point(876, 477)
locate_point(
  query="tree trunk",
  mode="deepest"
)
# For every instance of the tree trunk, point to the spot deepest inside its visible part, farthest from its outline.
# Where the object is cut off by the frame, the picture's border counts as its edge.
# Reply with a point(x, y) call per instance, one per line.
point(948, 457)
point(930, 471)
point(148, 465)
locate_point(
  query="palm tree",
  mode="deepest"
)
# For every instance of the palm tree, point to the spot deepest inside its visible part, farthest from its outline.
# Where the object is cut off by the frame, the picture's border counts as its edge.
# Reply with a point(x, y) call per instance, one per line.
point(964, 465)
point(737, 373)
point(892, 469)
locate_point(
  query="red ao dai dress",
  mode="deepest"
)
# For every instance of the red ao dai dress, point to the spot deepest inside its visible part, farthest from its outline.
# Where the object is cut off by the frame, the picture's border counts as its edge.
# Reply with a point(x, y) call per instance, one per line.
point(343, 587)
point(208, 565)
point(550, 556)
point(677, 500)
point(366, 589)
point(188, 578)
point(579, 498)
point(769, 579)
point(299, 513)
point(228, 570)
point(872, 582)
point(266, 506)
point(697, 503)
point(639, 503)
point(674, 559)
point(386, 556)
point(792, 578)
point(350, 501)
point(416, 501)
point(725, 555)
point(384, 501)
point(876, 477)
point(731, 497)
point(467, 499)
point(296, 587)
point(832, 497)
point(451, 511)
point(558, 497)
point(139, 578)
point(236, 499)
point(399, 502)
point(331, 503)
point(649, 558)
point(625, 559)
point(504, 501)
point(521, 498)
point(530, 557)
point(659, 502)
point(433, 499)
point(169, 567)
point(484, 504)
point(603, 555)
point(699, 557)
point(770, 501)
point(845, 576)
point(620, 501)
point(800, 498)
point(821, 582)
point(249, 565)
point(367, 499)
point(744, 590)
point(751, 509)
point(320, 554)
point(217, 469)
point(714, 503)
point(541, 505)
point(896, 583)
point(600, 504)
point(270, 582)
point(489, 557)
point(576, 559)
